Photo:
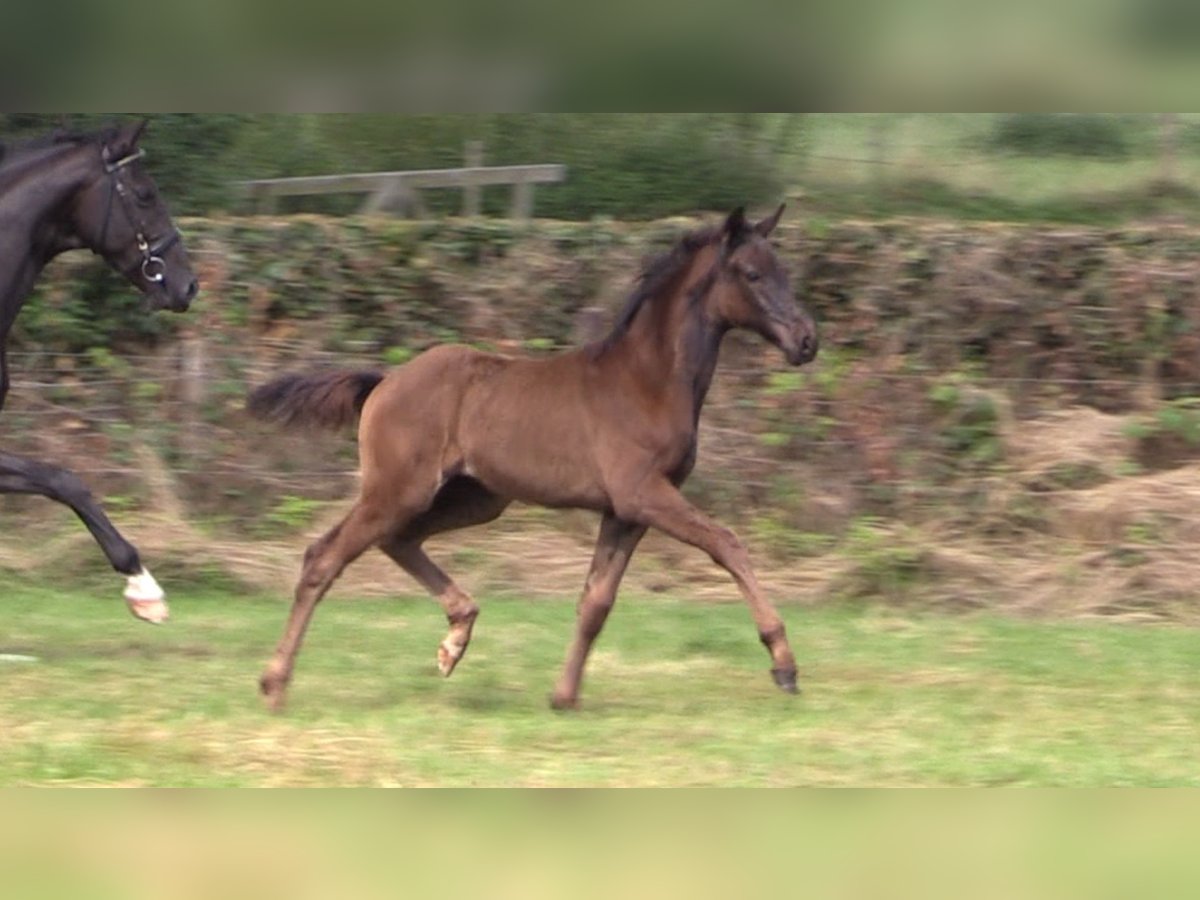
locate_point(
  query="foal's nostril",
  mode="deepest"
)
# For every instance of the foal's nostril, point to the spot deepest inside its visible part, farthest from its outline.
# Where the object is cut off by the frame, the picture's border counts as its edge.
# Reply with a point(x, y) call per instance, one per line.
point(192, 288)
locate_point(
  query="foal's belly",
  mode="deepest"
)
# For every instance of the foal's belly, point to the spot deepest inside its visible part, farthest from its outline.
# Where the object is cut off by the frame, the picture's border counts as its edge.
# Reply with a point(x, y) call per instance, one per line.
point(542, 480)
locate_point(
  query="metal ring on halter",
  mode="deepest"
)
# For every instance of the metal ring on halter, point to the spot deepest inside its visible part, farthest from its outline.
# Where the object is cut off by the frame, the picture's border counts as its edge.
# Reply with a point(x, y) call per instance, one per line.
point(154, 261)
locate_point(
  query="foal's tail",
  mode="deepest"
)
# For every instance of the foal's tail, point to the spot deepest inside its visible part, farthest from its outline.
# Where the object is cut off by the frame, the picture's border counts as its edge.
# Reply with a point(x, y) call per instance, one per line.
point(322, 399)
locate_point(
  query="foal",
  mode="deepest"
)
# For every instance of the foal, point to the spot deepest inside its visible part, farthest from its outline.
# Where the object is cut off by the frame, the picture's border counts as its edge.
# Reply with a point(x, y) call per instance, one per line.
point(449, 439)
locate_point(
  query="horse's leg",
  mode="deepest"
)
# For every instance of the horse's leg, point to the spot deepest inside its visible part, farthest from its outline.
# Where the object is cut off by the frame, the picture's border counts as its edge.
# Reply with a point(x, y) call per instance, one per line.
point(461, 503)
point(4, 382)
point(614, 548)
point(324, 561)
point(20, 475)
point(659, 504)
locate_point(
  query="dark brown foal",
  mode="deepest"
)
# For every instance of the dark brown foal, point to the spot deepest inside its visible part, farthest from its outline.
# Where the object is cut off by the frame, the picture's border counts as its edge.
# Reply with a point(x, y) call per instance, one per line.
point(449, 439)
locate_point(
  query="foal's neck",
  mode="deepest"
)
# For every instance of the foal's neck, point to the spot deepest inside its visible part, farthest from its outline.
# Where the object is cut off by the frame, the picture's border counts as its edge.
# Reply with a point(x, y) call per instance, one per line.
point(674, 342)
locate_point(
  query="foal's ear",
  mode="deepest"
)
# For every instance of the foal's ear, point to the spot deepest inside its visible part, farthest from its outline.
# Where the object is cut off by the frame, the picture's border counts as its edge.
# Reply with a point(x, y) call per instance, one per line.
point(735, 227)
point(767, 225)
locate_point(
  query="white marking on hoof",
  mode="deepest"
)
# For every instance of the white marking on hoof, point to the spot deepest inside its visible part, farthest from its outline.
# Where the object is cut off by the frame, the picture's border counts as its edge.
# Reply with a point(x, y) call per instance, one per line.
point(144, 598)
point(449, 653)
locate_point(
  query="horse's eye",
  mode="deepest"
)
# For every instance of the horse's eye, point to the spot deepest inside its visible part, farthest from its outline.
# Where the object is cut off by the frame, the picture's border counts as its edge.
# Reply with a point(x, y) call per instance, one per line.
point(751, 274)
point(144, 195)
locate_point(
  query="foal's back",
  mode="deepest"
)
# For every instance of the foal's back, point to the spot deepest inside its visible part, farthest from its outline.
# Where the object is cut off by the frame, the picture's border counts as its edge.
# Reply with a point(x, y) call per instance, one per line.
point(522, 427)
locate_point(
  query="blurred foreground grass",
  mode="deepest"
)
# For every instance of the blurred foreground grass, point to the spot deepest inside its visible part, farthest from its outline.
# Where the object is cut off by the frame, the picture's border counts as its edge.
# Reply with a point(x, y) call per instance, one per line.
point(677, 694)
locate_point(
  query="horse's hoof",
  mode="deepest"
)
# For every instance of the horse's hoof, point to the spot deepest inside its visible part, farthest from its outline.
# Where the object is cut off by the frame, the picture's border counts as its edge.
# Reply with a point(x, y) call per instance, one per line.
point(146, 599)
point(786, 679)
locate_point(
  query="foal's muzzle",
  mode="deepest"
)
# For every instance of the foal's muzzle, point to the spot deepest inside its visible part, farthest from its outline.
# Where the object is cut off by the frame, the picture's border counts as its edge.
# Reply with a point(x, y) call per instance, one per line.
point(801, 351)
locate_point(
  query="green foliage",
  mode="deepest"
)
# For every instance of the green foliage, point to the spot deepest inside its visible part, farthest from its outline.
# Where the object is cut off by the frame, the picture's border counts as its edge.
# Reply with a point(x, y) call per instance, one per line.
point(291, 513)
point(968, 421)
point(885, 561)
point(1179, 418)
point(90, 308)
point(636, 166)
point(1167, 437)
point(1069, 134)
point(186, 152)
point(772, 531)
point(397, 356)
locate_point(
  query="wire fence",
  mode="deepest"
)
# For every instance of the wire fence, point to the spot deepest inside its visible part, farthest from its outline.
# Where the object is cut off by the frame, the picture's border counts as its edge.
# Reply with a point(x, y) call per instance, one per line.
point(193, 417)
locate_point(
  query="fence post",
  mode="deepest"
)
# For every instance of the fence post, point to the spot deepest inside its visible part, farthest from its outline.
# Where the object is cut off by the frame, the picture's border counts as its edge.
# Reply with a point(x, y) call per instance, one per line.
point(193, 388)
point(473, 193)
point(1168, 133)
point(877, 147)
point(522, 201)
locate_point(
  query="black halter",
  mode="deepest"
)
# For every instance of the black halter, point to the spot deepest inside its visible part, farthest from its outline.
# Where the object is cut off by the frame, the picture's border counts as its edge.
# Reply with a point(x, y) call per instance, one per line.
point(153, 267)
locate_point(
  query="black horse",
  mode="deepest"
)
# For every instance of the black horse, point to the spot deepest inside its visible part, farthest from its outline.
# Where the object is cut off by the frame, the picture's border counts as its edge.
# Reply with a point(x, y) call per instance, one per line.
point(70, 191)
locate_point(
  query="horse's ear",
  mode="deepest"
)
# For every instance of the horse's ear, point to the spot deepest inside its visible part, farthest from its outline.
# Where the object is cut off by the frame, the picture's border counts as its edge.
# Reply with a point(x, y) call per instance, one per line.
point(735, 227)
point(126, 139)
point(767, 225)
point(136, 133)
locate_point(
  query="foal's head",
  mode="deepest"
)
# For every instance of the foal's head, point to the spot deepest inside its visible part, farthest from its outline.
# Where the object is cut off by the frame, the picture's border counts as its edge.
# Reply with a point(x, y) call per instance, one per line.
point(752, 289)
point(121, 216)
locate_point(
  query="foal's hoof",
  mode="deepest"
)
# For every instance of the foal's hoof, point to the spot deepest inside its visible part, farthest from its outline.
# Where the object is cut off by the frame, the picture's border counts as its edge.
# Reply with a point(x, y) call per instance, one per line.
point(274, 693)
point(564, 704)
point(448, 657)
point(786, 679)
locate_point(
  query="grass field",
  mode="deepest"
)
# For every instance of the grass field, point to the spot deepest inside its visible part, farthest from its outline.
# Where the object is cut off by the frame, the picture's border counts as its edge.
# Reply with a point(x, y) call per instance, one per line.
point(677, 694)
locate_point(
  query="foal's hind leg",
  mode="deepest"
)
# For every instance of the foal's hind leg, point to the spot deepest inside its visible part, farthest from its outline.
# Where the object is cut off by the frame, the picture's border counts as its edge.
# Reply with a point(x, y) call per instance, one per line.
point(461, 610)
point(462, 502)
point(324, 561)
point(614, 548)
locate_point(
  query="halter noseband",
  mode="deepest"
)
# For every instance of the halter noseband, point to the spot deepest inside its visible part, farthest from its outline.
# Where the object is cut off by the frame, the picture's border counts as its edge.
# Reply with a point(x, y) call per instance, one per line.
point(153, 266)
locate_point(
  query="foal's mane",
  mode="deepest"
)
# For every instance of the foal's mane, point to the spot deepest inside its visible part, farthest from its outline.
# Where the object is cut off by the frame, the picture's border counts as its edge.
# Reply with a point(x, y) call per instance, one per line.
point(656, 276)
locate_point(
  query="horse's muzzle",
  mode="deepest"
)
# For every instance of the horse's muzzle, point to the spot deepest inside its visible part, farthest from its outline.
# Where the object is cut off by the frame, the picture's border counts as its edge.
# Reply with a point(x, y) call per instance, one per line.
point(172, 297)
point(185, 297)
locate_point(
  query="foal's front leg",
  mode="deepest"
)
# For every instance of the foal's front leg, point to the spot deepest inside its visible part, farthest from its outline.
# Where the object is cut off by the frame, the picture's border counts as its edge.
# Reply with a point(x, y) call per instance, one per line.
point(20, 475)
point(658, 504)
point(614, 548)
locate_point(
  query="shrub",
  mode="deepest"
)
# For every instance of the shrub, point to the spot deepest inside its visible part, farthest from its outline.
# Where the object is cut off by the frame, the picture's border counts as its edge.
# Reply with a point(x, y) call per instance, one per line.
point(1061, 134)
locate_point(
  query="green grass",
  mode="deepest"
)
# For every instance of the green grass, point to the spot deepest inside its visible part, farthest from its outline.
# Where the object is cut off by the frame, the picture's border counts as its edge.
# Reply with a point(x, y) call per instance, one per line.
point(677, 694)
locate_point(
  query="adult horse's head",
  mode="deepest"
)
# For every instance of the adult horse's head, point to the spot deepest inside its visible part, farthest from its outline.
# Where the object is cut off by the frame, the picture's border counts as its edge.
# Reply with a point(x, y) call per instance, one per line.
point(753, 290)
point(120, 215)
